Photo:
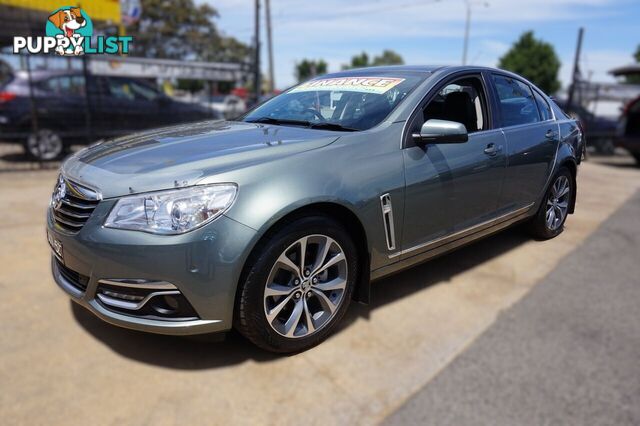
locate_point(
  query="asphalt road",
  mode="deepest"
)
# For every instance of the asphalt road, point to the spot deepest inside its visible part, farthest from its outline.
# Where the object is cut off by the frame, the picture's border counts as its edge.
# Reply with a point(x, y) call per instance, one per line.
point(61, 365)
point(567, 353)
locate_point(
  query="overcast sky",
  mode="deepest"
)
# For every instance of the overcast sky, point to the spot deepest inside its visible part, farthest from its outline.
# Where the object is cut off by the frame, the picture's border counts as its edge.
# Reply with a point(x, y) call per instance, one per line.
point(431, 32)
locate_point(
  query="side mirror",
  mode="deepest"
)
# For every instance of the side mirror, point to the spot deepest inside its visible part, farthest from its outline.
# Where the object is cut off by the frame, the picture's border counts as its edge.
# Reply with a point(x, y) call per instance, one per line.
point(441, 131)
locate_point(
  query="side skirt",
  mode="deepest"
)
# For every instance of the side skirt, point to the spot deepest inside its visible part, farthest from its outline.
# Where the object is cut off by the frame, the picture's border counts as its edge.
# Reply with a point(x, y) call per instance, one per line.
point(454, 241)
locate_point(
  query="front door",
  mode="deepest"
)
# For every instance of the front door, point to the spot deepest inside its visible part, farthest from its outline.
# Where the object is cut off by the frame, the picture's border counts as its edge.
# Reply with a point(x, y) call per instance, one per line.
point(453, 187)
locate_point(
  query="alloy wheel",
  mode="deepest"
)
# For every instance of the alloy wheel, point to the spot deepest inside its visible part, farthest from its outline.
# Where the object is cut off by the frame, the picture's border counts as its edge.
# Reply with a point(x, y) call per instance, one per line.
point(306, 286)
point(44, 145)
point(558, 203)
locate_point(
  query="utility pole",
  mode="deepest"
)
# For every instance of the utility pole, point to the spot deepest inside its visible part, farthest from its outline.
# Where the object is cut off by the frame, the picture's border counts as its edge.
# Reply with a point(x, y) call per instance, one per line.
point(467, 26)
point(272, 83)
point(466, 33)
point(576, 71)
point(256, 64)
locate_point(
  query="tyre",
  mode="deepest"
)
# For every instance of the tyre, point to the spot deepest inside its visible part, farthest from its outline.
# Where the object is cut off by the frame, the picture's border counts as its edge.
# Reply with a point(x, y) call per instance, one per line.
point(297, 285)
point(552, 214)
point(44, 145)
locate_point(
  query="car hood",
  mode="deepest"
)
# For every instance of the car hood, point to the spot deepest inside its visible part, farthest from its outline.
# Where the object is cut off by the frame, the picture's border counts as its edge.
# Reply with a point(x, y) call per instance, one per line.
point(183, 155)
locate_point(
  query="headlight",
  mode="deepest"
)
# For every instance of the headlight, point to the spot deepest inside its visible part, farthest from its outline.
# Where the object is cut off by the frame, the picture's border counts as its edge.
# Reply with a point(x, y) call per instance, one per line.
point(172, 212)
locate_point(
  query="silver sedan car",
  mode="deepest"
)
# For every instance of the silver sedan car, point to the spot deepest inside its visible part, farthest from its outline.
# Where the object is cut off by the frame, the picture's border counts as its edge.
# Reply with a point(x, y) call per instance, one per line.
point(274, 223)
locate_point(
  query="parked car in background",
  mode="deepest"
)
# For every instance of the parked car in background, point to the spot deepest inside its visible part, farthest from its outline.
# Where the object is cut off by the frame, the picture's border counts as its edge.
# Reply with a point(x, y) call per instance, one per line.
point(69, 110)
point(599, 131)
point(229, 106)
point(628, 136)
point(275, 222)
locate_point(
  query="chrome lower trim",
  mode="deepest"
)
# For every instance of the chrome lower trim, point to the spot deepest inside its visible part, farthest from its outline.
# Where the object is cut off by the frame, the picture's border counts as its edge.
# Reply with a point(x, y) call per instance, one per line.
point(387, 221)
point(132, 306)
point(460, 234)
point(143, 284)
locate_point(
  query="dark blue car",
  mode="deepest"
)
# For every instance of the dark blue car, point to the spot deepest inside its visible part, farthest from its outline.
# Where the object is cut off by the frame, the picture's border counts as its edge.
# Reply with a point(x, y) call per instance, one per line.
point(69, 109)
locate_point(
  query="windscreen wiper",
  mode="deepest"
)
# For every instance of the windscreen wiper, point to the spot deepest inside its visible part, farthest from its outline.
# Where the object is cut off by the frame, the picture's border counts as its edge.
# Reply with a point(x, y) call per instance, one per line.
point(279, 121)
point(332, 126)
point(320, 125)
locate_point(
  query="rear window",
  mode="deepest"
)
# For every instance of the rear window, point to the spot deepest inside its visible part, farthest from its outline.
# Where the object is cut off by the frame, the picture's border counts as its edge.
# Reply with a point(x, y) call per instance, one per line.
point(517, 104)
point(543, 106)
point(559, 111)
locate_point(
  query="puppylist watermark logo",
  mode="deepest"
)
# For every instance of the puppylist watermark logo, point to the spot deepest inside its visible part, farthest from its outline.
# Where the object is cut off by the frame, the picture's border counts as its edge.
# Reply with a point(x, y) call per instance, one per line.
point(69, 32)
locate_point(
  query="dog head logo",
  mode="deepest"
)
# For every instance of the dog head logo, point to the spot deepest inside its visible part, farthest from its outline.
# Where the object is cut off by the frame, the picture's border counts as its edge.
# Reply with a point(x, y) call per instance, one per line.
point(72, 24)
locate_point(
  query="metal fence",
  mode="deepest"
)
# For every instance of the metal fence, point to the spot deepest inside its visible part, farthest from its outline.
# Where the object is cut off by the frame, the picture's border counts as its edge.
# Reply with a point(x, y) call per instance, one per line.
point(50, 106)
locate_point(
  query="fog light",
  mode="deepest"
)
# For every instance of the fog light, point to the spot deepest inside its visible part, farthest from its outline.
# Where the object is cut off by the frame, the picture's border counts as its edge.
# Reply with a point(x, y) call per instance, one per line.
point(165, 305)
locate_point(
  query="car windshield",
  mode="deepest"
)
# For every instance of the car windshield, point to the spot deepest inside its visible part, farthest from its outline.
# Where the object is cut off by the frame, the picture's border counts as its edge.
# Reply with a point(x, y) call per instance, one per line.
point(335, 102)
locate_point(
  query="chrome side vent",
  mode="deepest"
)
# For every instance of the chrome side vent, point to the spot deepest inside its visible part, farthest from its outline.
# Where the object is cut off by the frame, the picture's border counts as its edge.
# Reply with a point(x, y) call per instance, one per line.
point(387, 218)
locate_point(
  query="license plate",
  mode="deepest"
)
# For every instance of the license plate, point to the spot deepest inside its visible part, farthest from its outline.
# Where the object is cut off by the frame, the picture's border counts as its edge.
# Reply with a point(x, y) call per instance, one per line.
point(56, 246)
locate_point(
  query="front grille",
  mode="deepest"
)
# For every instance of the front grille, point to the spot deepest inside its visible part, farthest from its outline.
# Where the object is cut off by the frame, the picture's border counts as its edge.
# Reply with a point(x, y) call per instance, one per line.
point(72, 204)
point(74, 278)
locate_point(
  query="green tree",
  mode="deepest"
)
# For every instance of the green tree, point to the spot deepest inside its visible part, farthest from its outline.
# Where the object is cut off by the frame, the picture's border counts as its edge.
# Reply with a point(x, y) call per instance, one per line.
point(179, 29)
point(388, 57)
point(358, 61)
point(535, 60)
point(309, 68)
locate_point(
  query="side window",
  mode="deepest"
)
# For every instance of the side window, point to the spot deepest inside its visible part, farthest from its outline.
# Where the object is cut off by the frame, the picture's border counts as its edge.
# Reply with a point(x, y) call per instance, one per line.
point(67, 85)
point(143, 92)
point(462, 101)
point(120, 88)
point(543, 106)
point(517, 104)
point(123, 88)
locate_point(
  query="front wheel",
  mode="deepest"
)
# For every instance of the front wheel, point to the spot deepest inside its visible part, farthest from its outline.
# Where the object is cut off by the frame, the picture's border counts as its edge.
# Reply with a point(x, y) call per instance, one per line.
point(552, 214)
point(298, 285)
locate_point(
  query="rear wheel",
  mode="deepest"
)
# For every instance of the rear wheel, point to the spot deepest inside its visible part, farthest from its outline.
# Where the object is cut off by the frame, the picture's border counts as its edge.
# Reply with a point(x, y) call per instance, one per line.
point(552, 214)
point(298, 286)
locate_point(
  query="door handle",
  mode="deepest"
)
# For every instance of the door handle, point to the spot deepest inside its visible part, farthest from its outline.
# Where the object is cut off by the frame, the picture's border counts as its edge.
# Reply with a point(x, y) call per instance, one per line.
point(492, 149)
point(550, 134)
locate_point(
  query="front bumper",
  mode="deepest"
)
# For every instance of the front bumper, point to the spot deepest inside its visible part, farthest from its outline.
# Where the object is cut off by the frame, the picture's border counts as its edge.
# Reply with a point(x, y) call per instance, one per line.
point(204, 266)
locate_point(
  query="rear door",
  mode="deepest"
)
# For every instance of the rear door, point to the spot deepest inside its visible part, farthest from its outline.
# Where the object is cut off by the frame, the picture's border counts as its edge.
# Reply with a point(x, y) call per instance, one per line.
point(130, 105)
point(61, 105)
point(532, 140)
point(452, 187)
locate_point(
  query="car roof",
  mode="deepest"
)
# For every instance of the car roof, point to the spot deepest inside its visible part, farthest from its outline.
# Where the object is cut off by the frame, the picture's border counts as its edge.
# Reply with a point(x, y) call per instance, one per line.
point(424, 69)
point(420, 69)
point(43, 74)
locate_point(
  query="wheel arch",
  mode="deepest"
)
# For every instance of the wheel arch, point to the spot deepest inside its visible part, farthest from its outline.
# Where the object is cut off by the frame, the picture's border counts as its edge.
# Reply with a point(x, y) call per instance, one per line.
point(334, 210)
point(570, 164)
